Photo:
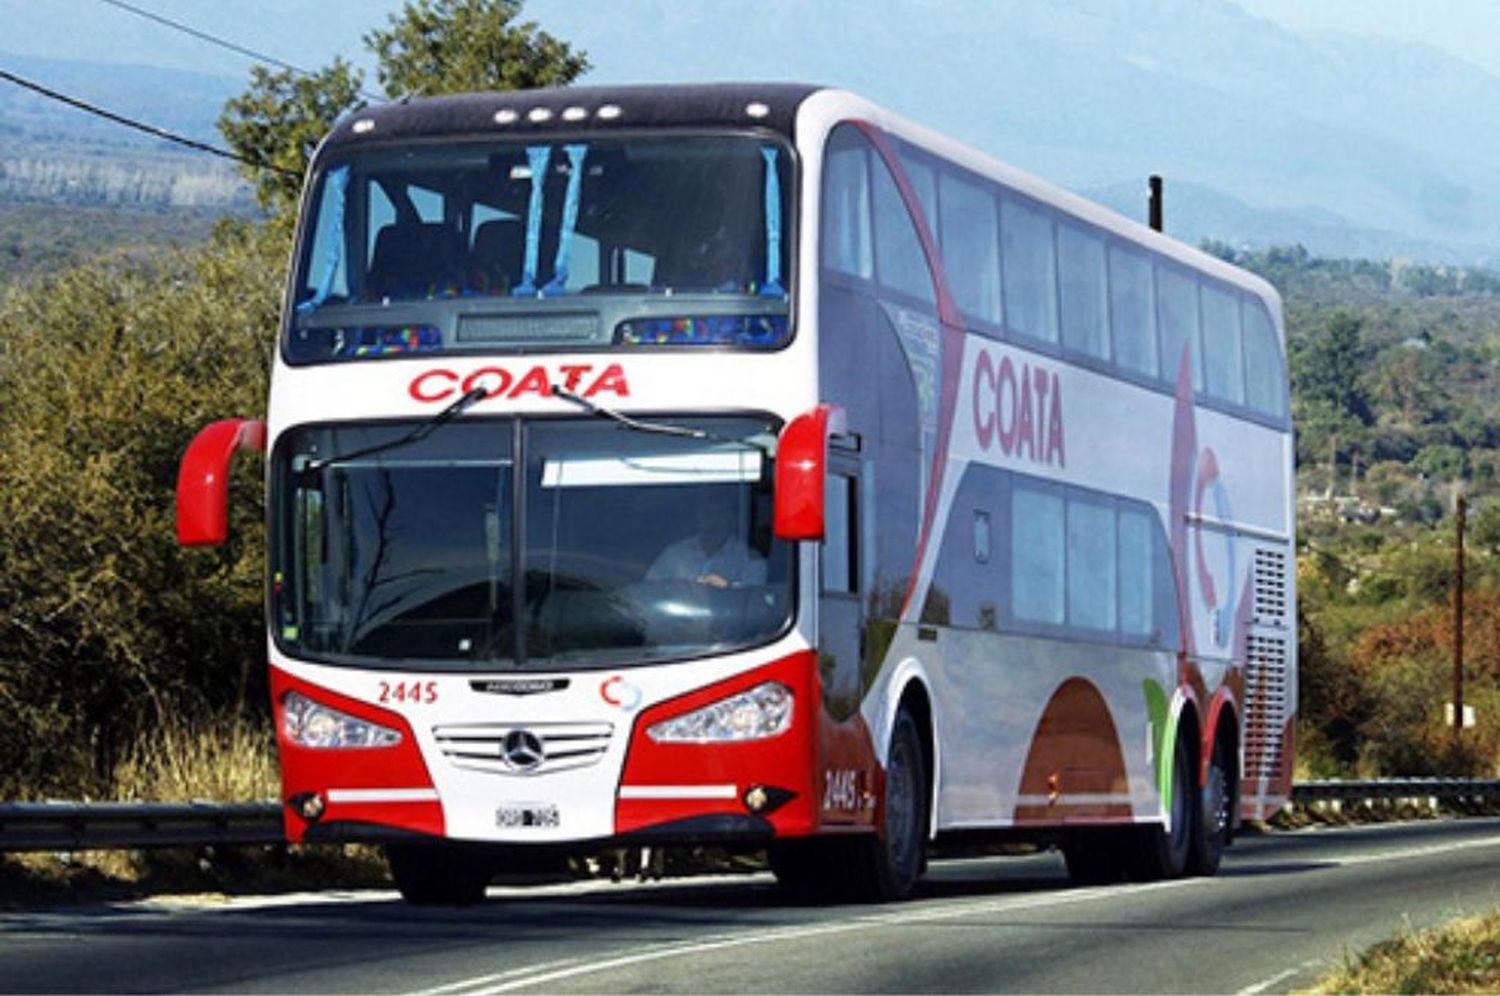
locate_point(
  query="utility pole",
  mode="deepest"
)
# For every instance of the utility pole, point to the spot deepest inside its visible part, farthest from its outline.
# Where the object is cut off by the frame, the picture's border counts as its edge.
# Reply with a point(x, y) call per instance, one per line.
point(1458, 626)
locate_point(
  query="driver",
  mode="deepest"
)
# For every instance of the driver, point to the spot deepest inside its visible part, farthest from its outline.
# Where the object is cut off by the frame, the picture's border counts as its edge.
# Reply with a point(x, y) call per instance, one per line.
point(712, 554)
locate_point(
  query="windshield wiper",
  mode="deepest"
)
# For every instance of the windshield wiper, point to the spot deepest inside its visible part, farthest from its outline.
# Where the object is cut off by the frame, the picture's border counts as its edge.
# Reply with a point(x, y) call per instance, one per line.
point(417, 433)
point(631, 423)
point(659, 428)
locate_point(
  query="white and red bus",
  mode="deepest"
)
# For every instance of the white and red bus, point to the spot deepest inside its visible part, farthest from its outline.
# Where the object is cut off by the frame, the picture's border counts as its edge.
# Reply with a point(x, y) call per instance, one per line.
point(747, 465)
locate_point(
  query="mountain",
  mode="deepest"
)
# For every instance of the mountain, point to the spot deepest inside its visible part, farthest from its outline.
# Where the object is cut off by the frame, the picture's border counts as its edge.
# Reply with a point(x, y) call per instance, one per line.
point(1389, 141)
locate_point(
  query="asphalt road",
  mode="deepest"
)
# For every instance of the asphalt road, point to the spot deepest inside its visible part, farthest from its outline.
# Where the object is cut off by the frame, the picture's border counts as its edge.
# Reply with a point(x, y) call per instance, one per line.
point(1283, 909)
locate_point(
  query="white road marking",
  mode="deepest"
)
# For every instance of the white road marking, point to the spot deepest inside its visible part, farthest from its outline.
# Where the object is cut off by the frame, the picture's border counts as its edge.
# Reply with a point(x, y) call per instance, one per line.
point(913, 915)
point(801, 932)
point(1265, 984)
point(461, 987)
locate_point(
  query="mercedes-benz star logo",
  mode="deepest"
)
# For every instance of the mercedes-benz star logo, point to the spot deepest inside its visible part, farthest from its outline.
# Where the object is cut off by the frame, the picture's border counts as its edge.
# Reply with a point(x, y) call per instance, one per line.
point(524, 750)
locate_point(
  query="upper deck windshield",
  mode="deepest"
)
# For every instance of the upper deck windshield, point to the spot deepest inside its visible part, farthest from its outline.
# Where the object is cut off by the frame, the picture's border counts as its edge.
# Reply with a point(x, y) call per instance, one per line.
point(588, 243)
point(489, 544)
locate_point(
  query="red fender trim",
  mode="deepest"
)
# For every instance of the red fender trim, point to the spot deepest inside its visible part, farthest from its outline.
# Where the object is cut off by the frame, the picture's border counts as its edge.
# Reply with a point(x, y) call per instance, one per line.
point(203, 478)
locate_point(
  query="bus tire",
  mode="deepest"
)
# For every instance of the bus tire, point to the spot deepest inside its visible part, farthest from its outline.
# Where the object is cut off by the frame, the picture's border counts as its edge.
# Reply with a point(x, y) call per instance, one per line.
point(889, 864)
point(1163, 850)
point(437, 874)
point(1212, 828)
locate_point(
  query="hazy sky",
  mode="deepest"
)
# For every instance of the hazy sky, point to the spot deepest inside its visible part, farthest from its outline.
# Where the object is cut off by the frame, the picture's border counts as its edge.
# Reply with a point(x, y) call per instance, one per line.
point(310, 32)
point(1469, 29)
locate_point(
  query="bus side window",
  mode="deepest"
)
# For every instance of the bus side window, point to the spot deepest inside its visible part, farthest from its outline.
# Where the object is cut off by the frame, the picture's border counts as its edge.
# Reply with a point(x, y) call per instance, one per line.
point(971, 248)
point(1222, 367)
point(1132, 315)
point(840, 539)
point(1137, 575)
point(1030, 268)
point(1265, 385)
point(1038, 554)
point(1091, 564)
point(1177, 307)
point(900, 263)
point(846, 211)
point(1084, 298)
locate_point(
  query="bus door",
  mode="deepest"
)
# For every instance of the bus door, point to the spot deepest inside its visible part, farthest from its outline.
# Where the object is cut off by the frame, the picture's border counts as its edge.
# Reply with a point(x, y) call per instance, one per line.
point(846, 778)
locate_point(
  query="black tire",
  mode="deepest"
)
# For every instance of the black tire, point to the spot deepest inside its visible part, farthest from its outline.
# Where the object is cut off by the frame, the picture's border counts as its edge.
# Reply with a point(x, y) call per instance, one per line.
point(1163, 850)
point(1098, 857)
point(1215, 820)
point(889, 865)
point(438, 874)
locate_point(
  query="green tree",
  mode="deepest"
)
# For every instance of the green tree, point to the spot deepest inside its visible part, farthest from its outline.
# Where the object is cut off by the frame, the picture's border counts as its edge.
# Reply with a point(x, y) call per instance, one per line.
point(108, 630)
point(455, 46)
point(430, 47)
point(280, 120)
point(1329, 367)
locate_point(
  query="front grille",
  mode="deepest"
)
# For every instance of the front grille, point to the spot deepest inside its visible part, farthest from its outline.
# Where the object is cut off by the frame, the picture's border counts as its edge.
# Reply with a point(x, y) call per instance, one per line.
point(481, 746)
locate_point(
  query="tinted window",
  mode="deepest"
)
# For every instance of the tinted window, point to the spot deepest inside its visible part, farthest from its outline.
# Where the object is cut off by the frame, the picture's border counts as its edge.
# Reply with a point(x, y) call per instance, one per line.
point(924, 184)
point(1264, 383)
point(838, 544)
point(1177, 297)
point(971, 248)
point(1030, 278)
point(846, 212)
point(1132, 312)
point(1091, 564)
point(899, 261)
point(1080, 257)
point(1037, 555)
point(1136, 574)
point(1222, 368)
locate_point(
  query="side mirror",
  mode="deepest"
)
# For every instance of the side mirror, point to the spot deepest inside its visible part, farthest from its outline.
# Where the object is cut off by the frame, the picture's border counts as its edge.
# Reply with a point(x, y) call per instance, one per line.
point(801, 468)
point(203, 479)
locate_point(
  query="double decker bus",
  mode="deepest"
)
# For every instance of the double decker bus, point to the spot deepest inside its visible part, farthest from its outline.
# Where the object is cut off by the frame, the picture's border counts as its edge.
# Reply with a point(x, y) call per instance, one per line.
point(747, 465)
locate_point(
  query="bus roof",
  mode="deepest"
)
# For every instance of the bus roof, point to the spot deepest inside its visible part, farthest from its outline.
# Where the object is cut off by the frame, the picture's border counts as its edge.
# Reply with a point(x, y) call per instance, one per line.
point(538, 112)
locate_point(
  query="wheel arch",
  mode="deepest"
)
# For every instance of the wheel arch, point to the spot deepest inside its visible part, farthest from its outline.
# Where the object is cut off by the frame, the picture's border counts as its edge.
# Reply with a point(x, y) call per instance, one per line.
point(910, 690)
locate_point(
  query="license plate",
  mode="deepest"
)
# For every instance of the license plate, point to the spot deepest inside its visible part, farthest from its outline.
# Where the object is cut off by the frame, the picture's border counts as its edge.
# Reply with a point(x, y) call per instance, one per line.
point(522, 815)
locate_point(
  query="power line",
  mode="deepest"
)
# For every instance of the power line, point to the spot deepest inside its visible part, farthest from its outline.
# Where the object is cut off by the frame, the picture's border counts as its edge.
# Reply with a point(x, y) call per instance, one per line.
point(149, 129)
point(205, 36)
point(221, 42)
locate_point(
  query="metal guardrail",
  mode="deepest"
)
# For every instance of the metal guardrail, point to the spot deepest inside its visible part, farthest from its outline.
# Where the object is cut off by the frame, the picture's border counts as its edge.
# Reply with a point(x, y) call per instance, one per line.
point(1448, 789)
point(88, 826)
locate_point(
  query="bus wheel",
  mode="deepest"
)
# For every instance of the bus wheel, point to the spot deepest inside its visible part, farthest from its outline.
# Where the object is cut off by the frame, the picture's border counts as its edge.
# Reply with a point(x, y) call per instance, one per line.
point(1212, 828)
point(894, 859)
point(1163, 851)
point(437, 874)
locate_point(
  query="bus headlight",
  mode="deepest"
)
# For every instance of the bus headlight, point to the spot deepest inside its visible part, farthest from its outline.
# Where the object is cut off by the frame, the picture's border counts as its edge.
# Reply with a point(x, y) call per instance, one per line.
point(754, 714)
point(311, 724)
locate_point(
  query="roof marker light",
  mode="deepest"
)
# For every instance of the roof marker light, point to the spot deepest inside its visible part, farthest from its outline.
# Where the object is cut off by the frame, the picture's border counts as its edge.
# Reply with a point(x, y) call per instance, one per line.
point(756, 109)
point(608, 112)
point(538, 114)
point(363, 126)
point(574, 114)
point(505, 116)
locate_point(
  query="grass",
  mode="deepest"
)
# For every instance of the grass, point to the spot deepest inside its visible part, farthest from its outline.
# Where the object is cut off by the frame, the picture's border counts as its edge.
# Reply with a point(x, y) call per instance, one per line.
point(229, 761)
point(1461, 957)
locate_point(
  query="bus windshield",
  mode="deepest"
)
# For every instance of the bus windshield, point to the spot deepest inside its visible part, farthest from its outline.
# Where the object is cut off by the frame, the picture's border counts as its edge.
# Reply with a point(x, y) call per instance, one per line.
point(495, 544)
point(677, 240)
